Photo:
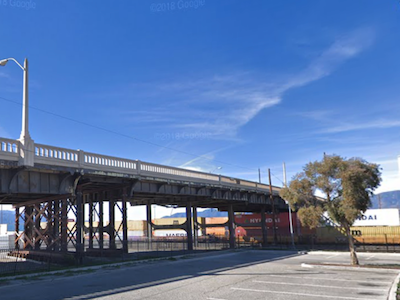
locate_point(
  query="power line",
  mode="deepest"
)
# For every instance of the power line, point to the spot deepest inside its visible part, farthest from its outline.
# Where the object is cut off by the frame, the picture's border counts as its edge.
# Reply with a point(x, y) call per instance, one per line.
point(283, 184)
point(126, 135)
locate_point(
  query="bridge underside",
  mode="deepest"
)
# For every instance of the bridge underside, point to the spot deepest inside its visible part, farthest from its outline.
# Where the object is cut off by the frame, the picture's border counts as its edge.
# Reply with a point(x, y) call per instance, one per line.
point(58, 206)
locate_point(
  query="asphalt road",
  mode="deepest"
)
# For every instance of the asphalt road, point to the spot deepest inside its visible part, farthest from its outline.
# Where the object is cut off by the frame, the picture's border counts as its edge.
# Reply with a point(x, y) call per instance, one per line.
point(230, 276)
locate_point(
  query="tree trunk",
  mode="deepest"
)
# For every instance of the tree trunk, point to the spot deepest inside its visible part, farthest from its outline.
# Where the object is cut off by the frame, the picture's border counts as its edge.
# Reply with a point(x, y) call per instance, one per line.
point(353, 254)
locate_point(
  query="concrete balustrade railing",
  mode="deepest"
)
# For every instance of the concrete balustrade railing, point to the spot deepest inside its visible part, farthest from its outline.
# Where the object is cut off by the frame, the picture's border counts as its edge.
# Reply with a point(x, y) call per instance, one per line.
point(56, 156)
point(9, 149)
point(107, 163)
point(154, 168)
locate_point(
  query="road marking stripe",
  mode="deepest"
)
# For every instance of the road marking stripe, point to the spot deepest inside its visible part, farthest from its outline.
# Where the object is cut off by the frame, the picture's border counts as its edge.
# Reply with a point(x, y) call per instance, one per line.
point(301, 294)
point(328, 279)
point(370, 257)
point(329, 257)
point(322, 286)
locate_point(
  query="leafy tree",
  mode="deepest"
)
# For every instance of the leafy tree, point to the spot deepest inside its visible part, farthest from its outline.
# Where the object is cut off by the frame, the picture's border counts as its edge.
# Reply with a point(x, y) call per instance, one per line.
point(347, 186)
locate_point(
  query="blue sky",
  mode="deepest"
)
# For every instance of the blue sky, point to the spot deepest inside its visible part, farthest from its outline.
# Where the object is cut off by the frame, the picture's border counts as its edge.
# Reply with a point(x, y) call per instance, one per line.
point(234, 84)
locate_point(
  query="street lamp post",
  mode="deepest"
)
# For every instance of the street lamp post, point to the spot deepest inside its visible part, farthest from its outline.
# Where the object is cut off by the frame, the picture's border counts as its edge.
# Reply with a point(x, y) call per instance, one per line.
point(27, 144)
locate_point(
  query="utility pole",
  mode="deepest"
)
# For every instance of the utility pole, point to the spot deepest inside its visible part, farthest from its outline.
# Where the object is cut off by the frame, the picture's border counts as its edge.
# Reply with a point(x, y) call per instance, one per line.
point(273, 208)
point(290, 209)
point(259, 175)
point(379, 201)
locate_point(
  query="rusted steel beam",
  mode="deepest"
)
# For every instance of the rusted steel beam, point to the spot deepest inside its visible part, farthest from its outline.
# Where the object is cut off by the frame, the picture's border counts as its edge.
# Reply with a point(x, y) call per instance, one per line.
point(38, 237)
point(28, 227)
point(64, 225)
point(42, 200)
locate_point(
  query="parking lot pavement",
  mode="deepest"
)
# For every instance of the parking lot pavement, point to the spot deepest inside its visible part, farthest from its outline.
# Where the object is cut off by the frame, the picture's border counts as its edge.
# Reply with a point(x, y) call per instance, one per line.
point(239, 275)
point(285, 279)
point(310, 284)
point(365, 258)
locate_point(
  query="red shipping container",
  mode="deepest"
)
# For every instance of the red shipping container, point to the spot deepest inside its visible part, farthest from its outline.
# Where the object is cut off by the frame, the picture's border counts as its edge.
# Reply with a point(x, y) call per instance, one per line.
point(281, 219)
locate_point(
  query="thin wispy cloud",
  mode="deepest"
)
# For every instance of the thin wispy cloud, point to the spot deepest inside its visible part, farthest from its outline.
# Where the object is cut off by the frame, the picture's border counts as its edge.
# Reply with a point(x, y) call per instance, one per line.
point(344, 48)
point(317, 115)
point(204, 163)
point(376, 124)
point(222, 104)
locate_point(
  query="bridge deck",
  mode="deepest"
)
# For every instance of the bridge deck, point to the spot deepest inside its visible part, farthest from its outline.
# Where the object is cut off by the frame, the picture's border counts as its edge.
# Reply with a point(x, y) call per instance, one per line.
point(152, 182)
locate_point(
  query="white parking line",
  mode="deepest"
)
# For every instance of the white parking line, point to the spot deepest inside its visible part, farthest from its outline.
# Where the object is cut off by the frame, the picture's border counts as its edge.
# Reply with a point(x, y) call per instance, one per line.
point(328, 279)
point(322, 286)
point(301, 294)
point(370, 257)
point(329, 257)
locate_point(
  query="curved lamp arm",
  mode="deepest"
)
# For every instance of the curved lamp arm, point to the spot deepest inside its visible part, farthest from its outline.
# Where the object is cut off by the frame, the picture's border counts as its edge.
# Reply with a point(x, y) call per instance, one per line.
point(3, 62)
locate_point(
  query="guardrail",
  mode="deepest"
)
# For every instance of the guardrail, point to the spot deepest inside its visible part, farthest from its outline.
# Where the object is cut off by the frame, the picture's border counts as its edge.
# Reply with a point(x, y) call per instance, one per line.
point(63, 157)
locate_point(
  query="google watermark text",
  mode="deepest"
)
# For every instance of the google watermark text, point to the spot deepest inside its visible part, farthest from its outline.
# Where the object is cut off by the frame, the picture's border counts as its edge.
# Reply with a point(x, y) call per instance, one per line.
point(178, 5)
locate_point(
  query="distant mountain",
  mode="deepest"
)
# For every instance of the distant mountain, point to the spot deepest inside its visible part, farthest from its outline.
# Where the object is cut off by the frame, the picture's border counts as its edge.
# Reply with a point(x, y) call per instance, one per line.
point(208, 213)
point(387, 199)
point(8, 217)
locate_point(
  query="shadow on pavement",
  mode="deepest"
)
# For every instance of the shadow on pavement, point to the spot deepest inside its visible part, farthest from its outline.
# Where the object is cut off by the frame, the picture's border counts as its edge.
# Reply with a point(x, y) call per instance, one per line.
point(113, 281)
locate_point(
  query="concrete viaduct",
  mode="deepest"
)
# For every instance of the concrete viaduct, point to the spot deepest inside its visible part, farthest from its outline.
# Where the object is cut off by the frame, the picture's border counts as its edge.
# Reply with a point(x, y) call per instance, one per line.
point(47, 184)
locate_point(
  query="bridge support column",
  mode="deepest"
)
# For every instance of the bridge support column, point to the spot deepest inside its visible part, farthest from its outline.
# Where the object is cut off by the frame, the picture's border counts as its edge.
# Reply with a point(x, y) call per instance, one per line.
point(37, 234)
point(101, 220)
point(231, 221)
point(264, 228)
point(64, 225)
point(189, 226)
point(195, 227)
point(28, 228)
point(124, 221)
point(91, 207)
point(16, 244)
point(149, 225)
point(56, 225)
point(112, 223)
point(80, 241)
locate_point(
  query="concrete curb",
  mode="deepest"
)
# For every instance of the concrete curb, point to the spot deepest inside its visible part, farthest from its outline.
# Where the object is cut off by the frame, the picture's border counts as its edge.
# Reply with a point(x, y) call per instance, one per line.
point(365, 269)
point(275, 251)
point(347, 252)
point(393, 289)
